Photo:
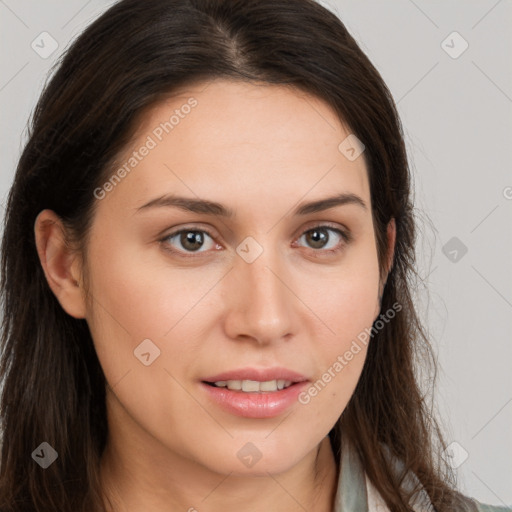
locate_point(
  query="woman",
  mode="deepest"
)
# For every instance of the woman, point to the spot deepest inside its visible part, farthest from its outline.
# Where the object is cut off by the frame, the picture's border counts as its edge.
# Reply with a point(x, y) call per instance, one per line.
point(206, 272)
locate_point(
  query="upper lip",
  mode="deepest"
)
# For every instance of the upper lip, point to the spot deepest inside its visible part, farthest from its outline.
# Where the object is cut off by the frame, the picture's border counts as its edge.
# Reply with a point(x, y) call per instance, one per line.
point(258, 374)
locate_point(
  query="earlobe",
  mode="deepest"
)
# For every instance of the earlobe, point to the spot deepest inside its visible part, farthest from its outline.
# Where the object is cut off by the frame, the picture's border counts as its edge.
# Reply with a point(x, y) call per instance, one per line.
point(61, 265)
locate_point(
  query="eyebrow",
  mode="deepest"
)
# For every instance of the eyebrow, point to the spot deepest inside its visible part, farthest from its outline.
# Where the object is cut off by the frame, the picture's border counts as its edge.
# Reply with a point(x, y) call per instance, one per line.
point(219, 210)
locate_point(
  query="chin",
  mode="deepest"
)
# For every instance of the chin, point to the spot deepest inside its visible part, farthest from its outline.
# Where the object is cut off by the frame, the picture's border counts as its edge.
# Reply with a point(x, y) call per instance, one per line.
point(256, 456)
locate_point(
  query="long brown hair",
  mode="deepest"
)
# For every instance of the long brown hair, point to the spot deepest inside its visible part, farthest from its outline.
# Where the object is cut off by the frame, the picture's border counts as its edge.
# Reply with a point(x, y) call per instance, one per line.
point(127, 60)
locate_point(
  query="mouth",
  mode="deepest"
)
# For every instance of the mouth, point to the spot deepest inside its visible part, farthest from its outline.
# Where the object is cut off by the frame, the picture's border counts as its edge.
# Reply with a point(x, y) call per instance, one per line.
point(252, 386)
point(253, 393)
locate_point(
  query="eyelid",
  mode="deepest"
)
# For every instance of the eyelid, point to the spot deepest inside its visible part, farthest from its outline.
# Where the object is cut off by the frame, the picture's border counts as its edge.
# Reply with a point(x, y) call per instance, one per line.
point(212, 232)
point(326, 224)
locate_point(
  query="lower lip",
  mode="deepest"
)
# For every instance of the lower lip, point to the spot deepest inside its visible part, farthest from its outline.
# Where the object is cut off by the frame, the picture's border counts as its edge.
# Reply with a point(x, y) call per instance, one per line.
point(255, 405)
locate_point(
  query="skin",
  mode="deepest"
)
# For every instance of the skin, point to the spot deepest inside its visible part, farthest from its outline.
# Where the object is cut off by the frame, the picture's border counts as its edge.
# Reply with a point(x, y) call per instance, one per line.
point(259, 150)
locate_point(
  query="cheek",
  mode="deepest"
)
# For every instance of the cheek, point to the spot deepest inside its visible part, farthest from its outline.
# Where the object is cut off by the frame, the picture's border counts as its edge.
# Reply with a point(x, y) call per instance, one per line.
point(140, 292)
point(345, 306)
point(134, 300)
point(339, 357)
point(346, 303)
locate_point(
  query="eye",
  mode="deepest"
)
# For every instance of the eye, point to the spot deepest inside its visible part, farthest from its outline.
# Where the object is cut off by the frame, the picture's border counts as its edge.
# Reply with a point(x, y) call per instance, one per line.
point(319, 238)
point(191, 240)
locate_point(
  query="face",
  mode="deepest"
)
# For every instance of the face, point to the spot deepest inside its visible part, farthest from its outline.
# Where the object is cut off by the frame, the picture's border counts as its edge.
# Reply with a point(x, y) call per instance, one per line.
point(206, 265)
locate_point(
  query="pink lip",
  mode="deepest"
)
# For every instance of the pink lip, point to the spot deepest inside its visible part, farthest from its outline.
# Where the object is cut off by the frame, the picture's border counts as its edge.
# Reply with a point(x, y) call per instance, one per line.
point(264, 404)
point(255, 405)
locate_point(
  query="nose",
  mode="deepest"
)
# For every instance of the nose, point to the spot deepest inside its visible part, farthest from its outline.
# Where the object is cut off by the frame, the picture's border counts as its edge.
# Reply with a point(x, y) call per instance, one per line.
point(260, 303)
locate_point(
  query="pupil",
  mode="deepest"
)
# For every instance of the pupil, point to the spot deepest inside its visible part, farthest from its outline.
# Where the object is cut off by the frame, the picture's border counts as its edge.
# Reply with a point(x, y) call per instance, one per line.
point(319, 237)
point(192, 240)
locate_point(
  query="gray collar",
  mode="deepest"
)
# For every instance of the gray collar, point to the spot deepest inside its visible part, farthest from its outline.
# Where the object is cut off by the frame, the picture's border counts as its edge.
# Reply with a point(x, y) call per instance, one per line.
point(352, 494)
point(351, 490)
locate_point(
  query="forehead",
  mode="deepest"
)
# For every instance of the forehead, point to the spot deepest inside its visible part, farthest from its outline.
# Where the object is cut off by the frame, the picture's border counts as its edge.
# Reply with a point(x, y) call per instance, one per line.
point(252, 140)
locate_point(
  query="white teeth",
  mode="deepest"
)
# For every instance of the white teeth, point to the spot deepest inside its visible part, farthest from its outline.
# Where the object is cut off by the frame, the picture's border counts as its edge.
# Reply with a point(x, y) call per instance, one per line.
point(269, 385)
point(253, 386)
point(250, 385)
point(234, 385)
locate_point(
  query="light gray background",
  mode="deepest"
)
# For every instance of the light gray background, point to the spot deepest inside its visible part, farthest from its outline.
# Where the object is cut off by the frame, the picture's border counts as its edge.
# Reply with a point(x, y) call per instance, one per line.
point(457, 119)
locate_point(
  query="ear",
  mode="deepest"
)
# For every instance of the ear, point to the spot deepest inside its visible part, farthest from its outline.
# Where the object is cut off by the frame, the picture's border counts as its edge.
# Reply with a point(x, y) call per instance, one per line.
point(61, 265)
point(390, 251)
point(391, 236)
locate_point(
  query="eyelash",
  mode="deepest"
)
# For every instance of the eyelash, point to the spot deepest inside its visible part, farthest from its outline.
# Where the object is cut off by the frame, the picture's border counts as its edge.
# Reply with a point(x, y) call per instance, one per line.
point(345, 235)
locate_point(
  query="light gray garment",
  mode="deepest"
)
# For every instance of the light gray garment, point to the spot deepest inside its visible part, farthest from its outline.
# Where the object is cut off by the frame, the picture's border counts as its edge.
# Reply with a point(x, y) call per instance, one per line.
point(355, 493)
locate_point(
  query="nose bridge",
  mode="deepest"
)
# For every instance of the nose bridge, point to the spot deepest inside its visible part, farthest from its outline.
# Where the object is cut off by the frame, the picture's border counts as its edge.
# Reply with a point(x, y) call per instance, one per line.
point(261, 302)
